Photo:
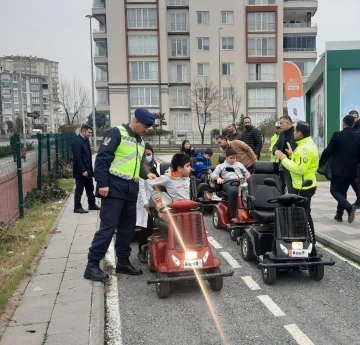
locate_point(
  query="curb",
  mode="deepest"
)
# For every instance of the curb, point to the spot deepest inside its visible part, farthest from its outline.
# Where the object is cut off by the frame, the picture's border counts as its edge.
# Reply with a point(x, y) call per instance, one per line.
point(339, 246)
point(97, 315)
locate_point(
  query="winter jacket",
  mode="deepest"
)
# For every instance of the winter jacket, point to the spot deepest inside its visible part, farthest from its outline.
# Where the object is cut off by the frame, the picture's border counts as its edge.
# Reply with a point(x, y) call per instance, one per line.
point(201, 163)
point(233, 136)
point(244, 154)
point(252, 137)
point(284, 138)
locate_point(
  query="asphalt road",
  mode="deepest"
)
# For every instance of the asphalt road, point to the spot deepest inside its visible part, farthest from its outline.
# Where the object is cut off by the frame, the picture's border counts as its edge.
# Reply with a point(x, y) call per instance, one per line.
point(295, 310)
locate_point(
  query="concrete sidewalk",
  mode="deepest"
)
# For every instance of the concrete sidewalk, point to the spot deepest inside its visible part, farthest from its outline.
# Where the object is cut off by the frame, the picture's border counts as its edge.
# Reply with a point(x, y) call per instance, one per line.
point(59, 306)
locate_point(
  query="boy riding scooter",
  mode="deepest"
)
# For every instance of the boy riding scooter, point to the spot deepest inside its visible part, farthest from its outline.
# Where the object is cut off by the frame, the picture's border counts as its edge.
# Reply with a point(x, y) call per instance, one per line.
point(221, 176)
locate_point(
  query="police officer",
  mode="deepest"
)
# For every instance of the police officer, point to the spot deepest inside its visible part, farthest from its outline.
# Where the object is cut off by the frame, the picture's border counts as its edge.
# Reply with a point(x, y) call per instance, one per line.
point(118, 167)
point(302, 165)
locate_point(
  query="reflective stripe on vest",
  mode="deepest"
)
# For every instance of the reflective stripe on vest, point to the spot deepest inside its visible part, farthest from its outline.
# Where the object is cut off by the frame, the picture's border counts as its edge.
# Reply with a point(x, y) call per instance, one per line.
point(128, 156)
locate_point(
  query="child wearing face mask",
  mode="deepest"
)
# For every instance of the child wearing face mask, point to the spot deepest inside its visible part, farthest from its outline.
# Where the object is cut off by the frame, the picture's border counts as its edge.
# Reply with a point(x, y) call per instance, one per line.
point(143, 219)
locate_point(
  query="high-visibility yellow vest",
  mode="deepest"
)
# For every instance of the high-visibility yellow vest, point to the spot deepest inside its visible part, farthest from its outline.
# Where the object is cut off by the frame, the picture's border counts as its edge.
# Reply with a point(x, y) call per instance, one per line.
point(273, 141)
point(128, 157)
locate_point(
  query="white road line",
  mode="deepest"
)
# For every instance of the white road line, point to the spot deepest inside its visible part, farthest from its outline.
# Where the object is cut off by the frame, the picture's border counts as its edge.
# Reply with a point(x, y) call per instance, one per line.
point(214, 243)
point(232, 262)
point(251, 283)
point(113, 326)
point(350, 262)
point(298, 335)
point(271, 305)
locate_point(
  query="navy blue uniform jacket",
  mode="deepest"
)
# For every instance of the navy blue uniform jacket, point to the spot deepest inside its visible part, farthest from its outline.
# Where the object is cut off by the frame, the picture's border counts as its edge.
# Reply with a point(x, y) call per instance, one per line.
point(118, 187)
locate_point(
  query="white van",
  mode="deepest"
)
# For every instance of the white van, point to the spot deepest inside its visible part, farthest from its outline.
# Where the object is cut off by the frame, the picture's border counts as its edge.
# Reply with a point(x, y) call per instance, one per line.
point(35, 132)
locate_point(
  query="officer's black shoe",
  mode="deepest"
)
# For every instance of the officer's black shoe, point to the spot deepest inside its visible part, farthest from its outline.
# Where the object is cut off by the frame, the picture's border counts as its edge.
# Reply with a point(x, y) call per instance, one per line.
point(125, 267)
point(142, 257)
point(93, 272)
point(80, 210)
point(94, 208)
point(351, 213)
point(338, 219)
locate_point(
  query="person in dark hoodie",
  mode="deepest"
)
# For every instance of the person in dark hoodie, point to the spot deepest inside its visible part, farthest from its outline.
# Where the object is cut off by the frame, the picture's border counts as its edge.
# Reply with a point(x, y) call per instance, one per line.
point(203, 160)
point(233, 133)
point(355, 184)
point(187, 149)
point(286, 137)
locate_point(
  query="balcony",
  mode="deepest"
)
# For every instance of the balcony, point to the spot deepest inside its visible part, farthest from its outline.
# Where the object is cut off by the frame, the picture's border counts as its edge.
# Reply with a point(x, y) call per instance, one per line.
point(142, 24)
point(99, 8)
point(144, 102)
point(301, 6)
point(303, 53)
point(179, 54)
point(177, 28)
point(144, 76)
point(261, 2)
point(178, 4)
point(180, 78)
point(262, 77)
point(99, 34)
point(303, 28)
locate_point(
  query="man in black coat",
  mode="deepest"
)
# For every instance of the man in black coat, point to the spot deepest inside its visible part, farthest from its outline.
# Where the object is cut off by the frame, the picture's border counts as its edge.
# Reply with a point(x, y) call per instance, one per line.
point(233, 133)
point(83, 171)
point(252, 137)
point(344, 147)
point(355, 184)
point(286, 136)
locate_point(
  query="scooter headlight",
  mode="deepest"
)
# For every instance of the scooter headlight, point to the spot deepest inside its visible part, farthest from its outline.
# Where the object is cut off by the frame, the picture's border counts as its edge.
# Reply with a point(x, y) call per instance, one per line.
point(284, 249)
point(206, 256)
point(175, 260)
point(190, 255)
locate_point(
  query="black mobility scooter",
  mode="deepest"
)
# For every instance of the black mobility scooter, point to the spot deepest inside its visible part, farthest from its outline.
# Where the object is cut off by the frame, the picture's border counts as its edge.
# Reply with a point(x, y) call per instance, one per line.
point(282, 238)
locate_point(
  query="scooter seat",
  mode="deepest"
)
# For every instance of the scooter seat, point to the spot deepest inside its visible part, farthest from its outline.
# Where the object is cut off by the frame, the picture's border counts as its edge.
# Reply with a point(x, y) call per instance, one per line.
point(263, 217)
point(161, 225)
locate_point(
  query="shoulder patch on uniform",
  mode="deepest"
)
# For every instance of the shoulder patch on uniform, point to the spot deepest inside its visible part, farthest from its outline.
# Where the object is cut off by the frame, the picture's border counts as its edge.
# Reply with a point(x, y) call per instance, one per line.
point(305, 160)
point(106, 141)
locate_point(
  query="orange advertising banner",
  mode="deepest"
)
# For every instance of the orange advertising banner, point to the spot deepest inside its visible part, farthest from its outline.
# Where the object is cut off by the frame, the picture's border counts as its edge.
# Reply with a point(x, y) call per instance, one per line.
point(294, 91)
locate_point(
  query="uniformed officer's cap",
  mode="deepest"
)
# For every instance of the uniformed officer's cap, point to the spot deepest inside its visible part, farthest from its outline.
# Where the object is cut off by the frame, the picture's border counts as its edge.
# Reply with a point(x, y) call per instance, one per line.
point(277, 124)
point(144, 116)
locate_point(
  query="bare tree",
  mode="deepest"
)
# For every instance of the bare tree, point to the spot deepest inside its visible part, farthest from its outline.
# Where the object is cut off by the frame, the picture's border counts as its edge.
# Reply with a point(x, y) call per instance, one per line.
point(74, 99)
point(204, 102)
point(233, 101)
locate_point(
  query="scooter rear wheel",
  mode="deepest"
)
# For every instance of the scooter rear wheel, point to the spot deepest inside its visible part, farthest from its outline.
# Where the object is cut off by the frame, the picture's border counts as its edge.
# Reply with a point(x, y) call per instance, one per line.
point(216, 219)
point(247, 251)
point(268, 274)
point(148, 258)
point(316, 272)
point(217, 283)
point(162, 288)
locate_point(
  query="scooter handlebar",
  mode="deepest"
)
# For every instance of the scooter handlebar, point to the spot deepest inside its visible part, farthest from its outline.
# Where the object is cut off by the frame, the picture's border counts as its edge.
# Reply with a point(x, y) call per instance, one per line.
point(287, 199)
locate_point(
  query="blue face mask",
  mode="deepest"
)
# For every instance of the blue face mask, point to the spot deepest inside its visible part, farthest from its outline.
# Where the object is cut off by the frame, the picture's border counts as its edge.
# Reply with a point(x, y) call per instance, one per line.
point(148, 159)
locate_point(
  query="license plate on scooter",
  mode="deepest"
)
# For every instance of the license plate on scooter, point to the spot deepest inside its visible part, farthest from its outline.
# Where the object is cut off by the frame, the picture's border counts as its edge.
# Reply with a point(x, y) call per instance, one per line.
point(303, 253)
point(193, 263)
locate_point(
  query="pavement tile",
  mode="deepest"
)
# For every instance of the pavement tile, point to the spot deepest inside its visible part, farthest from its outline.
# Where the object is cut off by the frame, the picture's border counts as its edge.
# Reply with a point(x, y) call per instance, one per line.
point(70, 317)
point(354, 243)
point(75, 271)
point(25, 335)
point(45, 284)
point(75, 290)
point(339, 235)
point(78, 257)
point(78, 338)
point(48, 266)
point(322, 227)
point(33, 310)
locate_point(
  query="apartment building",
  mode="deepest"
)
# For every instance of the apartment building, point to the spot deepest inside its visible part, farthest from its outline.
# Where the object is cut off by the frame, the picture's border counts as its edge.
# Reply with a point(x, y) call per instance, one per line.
point(152, 53)
point(33, 80)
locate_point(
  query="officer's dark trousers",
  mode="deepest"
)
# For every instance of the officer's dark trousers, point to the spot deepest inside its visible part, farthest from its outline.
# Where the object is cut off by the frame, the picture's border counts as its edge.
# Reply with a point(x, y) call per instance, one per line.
point(88, 184)
point(114, 214)
point(232, 192)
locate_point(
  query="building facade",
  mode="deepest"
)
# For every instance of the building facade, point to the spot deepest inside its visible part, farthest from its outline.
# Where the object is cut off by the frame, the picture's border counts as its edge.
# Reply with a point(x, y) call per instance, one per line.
point(162, 54)
point(29, 84)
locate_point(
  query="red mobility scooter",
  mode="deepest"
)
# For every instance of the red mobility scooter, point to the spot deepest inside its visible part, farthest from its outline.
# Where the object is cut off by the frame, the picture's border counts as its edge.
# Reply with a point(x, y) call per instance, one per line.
point(179, 250)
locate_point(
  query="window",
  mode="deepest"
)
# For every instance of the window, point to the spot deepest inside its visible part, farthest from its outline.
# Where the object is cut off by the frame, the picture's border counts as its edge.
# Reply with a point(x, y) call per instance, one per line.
point(35, 94)
point(203, 94)
point(144, 96)
point(262, 98)
point(263, 71)
point(143, 70)
point(228, 68)
point(101, 72)
point(34, 87)
point(204, 69)
point(299, 43)
point(227, 43)
point(6, 105)
point(261, 46)
point(102, 97)
point(15, 78)
point(178, 22)
point(205, 119)
point(16, 105)
point(181, 122)
point(228, 93)
point(257, 118)
point(180, 97)
point(16, 99)
point(262, 2)
point(179, 47)
point(34, 80)
point(261, 21)
point(45, 100)
point(226, 118)
point(203, 17)
point(141, 18)
point(305, 67)
point(178, 2)
point(203, 43)
point(143, 45)
point(15, 92)
point(101, 48)
point(180, 74)
point(227, 17)
point(35, 100)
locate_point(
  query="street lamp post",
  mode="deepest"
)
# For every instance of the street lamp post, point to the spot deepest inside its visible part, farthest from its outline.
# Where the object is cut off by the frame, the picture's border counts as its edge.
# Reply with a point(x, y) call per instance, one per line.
point(90, 17)
point(220, 91)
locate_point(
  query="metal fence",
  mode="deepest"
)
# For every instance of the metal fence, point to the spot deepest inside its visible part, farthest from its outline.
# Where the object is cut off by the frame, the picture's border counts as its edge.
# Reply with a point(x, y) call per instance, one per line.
point(23, 171)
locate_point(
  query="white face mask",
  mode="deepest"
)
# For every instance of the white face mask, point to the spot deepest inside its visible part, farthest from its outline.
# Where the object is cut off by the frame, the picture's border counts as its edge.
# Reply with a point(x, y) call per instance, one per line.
point(148, 159)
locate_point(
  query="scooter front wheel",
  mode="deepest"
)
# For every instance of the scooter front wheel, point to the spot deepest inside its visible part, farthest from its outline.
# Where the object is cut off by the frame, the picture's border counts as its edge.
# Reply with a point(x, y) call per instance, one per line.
point(268, 273)
point(316, 272)
point(148, 258)
point(247, 252)
point(216, 219)
point(217, 283)
point(162, 288)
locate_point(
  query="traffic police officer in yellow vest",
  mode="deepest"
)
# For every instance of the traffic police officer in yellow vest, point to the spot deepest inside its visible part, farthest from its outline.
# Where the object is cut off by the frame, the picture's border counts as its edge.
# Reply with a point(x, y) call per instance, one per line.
point(302, 165)
point(118, 166)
